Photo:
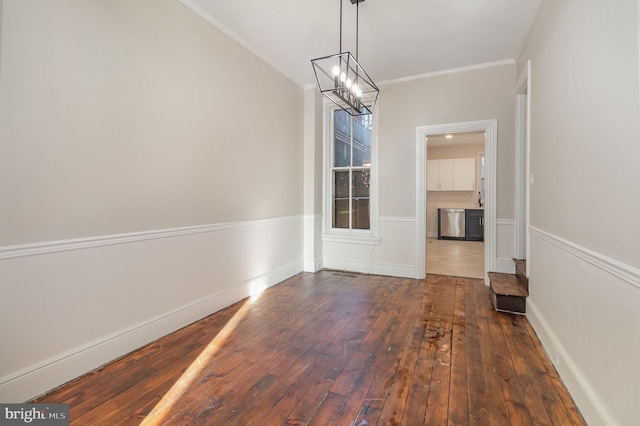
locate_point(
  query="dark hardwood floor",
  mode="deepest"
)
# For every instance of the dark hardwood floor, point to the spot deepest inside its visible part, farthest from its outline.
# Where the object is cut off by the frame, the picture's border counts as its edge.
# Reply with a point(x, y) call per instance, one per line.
point(335, 349)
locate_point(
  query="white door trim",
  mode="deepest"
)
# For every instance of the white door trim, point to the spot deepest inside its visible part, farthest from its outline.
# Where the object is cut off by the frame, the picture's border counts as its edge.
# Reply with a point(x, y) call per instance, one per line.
point(490, 127)
point(523, 115)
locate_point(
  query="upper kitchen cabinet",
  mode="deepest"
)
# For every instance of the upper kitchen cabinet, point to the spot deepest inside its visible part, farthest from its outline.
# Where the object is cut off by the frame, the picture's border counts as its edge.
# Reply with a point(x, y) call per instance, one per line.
point(439, 175)
point(464, 174)
point(458, 174)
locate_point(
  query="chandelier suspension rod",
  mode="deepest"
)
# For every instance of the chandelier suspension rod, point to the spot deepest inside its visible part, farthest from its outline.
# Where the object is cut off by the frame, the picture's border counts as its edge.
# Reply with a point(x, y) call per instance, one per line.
point(340, 51)
point(357, 16)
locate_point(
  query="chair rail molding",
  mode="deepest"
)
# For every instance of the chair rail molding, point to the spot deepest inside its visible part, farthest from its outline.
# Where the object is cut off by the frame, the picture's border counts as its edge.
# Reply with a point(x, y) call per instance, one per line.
point(626, 273)
point(31, 249)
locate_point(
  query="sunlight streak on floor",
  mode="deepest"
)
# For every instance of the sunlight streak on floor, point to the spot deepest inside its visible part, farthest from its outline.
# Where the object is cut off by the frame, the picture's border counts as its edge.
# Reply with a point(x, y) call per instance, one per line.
point(159, 413)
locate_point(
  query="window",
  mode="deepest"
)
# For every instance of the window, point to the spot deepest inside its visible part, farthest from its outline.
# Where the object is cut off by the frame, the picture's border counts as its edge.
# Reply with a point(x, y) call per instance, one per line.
point(351, 171)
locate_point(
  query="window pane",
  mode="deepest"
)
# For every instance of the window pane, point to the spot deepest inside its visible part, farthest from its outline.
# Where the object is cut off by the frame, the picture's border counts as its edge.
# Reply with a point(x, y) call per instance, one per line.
point(342, 122)
point(360, 213)
point(341, 214)
point(361, 141)
point(360, 204)
point(361, 183)
point(341, 199)
point(342, 139)
point(341, 184)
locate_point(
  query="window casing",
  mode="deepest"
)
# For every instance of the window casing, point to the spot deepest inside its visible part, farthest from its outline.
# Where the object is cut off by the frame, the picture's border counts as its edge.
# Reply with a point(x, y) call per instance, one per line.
point(349, 195)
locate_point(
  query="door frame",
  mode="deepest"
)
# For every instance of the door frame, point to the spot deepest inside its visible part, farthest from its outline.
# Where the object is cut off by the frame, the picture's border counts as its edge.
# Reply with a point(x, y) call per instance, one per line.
point(490, 128)
point(523, 163)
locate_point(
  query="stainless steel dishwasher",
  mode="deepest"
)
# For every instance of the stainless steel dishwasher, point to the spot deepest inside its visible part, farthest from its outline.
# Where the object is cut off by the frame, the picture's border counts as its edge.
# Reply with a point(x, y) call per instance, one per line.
point(451, 224)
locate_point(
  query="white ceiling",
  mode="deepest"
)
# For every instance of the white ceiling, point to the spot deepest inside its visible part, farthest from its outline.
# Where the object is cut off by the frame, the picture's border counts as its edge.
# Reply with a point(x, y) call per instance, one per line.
point(397, 38)
point(466, 138)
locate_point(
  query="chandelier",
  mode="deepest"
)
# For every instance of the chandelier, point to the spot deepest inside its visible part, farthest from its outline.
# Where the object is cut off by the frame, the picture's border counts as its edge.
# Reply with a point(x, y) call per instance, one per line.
point(343, 80)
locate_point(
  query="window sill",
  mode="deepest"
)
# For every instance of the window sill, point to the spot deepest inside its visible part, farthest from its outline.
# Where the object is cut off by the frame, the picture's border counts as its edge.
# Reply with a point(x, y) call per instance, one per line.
point(351, 238)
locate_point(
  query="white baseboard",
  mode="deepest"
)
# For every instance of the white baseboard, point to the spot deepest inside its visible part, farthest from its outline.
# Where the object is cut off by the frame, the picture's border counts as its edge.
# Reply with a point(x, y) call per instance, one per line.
point(313, 265)
point(393, 270)
point(363, 267)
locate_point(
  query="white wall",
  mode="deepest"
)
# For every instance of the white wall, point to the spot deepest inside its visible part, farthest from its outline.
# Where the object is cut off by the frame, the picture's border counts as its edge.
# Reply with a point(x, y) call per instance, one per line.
point(585, 144)
point(150, 174)
point(479, 94)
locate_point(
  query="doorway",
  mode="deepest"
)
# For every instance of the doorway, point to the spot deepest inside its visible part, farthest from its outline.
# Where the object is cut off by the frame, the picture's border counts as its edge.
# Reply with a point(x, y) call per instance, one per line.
point(490, 129)
point(455, 188)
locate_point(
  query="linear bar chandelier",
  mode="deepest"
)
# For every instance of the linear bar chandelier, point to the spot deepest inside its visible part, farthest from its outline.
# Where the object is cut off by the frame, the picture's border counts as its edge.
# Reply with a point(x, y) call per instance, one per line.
point(343, 80)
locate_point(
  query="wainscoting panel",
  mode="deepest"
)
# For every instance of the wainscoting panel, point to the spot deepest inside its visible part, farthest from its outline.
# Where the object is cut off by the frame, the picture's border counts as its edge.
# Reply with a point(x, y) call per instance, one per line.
point(72, 306)
point(392, 253)
point(584, 307)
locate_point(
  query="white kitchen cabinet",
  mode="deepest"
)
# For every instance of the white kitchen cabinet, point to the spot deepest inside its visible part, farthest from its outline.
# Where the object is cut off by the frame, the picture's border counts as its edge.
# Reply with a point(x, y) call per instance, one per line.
point(433, 175)
point(458, 174)
point(464, 174)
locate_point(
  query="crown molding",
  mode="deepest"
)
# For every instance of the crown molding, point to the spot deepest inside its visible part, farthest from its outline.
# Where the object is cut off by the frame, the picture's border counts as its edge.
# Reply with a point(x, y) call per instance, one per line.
point(527, 29)
point(451, 71)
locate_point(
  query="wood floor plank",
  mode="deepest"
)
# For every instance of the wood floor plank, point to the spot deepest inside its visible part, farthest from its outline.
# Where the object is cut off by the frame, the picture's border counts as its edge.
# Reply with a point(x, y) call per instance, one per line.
point(266, 380)
point(339, 351)
point(496, 409)
point(476, 397)
point(375, 336)
point(438, 399)
point(313, 376)
point(543, 375)
point(329, 411)
point(394, 404)
point(501, 359)
point(415, 410)
point(374, 355)
point(527, 372)
point(458, 404)
point(313, 380)
point(386, 366)
point(335, 348)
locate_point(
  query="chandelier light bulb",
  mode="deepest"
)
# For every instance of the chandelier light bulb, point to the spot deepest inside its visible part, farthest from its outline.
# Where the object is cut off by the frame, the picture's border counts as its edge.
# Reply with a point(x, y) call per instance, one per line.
point(348, 83)
point(336, 71)
point(343, 77)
